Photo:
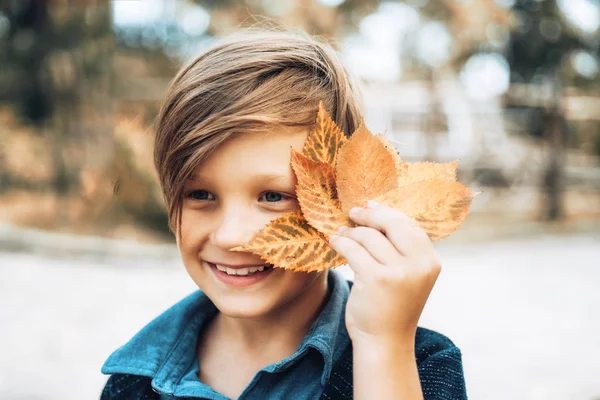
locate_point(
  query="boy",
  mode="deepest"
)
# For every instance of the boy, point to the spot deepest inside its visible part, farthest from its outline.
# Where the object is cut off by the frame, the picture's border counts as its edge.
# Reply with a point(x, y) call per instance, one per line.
point(255, 331)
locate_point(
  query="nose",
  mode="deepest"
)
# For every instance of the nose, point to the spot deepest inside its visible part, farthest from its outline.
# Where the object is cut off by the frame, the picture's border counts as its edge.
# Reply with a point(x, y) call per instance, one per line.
point(234, 228)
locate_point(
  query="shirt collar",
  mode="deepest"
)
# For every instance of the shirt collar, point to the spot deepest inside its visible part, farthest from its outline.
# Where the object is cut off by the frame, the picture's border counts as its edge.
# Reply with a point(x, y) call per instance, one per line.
point(162, 349)
point(328, 333)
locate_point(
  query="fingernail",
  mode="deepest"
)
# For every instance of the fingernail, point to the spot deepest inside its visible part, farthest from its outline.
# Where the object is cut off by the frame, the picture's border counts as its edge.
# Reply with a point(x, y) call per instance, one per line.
point(354, 210)
point(342, 229)
point(372, 204)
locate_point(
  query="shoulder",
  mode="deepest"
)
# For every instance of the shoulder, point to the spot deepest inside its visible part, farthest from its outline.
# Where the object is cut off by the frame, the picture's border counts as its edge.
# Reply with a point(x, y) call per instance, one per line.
point(439, 365)
point(147, 350)
point(157, 351)
point(439, 362)
point(128, 387)
point(429, 343)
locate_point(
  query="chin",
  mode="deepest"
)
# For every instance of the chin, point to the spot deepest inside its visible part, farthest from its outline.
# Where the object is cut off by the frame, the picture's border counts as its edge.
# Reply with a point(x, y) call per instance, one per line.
point(281, 289)
point(264, 300)
point(244, 307)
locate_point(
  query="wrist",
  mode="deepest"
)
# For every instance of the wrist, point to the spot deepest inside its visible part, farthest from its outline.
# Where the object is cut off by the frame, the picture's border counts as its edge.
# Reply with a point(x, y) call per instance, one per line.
point(378, 348)
point(385, 368)
point(374, 342)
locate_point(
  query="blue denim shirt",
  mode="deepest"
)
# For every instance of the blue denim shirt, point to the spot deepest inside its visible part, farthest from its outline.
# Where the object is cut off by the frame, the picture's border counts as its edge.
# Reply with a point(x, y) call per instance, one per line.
point(165, 351)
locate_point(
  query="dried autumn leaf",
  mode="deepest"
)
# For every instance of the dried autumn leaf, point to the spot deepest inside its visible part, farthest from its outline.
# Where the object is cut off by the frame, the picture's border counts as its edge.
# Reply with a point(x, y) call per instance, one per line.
point(317, 194)
point(392, 150)
point(437, 205)
point(412, 173)
point(290, 242)
point(365, 170)
point(335, 174)
point(325, 139)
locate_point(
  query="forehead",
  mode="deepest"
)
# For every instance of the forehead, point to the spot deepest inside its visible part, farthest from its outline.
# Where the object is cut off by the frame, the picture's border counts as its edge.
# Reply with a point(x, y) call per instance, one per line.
point(256, 153)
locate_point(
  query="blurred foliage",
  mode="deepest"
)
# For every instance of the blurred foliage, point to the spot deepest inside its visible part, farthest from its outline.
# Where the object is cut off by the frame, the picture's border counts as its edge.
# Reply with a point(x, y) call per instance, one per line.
point(540, 45)
point(538, 52)
point(89, 89)
point(56, 72)
point(134, 185)
point(47, 51)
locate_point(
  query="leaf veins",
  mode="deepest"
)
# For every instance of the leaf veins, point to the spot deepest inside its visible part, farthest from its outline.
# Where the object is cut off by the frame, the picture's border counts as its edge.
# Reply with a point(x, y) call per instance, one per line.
point(437, 205)
point(325, 140)
point(317, 194)
point(290, 242)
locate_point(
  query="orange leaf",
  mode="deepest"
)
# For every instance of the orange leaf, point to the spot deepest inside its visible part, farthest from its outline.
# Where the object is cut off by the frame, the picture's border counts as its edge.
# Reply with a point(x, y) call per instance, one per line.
point(317, 194)
point(437, 205)
point(290, 242)
point(392, 150)
point(335, 174)
point(411, 173)
point(365, 170)
point(324, 141)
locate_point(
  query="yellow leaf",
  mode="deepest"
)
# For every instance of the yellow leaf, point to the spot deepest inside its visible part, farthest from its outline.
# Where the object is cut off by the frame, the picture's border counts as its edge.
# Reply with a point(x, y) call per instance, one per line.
point(317, 194)
point(335, 174)
point(365, 170)
point(290, 242)
point(412, 173)
point(437, 205)
point(325, 139)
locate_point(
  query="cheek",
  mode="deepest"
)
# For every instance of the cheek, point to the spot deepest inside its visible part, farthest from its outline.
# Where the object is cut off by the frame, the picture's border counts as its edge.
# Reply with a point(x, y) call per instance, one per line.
point(192, 231)
point(186, 223)
point(300, 281)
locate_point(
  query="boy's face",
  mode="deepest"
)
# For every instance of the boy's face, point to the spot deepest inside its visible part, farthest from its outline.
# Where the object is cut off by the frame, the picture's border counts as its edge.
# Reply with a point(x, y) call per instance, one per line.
point(244, 184)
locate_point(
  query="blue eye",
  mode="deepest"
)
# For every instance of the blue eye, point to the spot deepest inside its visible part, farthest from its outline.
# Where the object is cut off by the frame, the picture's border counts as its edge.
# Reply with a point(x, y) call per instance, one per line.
point(273, 197)
point(200, 195)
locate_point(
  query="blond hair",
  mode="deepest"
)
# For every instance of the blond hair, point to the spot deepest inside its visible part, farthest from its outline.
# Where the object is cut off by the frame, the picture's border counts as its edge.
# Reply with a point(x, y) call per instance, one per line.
point(250, 81)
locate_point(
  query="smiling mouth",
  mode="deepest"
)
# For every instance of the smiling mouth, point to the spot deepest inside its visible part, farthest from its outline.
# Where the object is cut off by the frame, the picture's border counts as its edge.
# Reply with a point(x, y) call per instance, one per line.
point(246, 271)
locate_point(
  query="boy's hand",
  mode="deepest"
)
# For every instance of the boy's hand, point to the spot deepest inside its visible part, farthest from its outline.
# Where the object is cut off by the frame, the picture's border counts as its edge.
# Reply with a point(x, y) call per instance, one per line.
point(395, 268)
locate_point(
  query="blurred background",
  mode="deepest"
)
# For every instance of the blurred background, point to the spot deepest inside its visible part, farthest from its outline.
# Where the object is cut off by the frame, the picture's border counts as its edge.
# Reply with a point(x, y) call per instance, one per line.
point(508, 87)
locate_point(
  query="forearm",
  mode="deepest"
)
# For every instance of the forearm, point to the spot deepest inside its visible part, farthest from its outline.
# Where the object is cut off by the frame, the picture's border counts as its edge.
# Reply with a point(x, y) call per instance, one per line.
point(385, 371)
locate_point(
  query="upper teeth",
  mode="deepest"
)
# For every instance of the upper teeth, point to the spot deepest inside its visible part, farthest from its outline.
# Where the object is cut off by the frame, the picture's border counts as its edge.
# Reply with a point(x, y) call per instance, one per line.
point(239, 271)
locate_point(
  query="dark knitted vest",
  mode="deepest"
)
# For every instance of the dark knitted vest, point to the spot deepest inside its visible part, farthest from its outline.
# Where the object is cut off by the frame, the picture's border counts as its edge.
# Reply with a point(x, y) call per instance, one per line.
point(434, 374)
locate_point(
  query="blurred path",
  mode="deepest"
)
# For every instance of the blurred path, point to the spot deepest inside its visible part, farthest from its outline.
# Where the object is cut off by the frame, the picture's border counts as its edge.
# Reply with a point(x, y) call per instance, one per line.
point(526, 314)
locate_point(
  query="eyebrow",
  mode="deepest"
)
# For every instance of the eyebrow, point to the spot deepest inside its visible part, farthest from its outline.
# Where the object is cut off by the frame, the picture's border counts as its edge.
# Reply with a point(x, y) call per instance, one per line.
point(259, 177)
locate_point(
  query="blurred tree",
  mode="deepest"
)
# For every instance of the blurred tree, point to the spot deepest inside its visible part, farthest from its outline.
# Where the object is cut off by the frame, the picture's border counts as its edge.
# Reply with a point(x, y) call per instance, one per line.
point(55, 66)
point(537, 53)
point(23, 51)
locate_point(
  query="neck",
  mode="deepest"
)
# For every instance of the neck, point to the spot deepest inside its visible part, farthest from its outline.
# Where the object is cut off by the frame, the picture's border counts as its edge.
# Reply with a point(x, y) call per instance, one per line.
point(289, 323)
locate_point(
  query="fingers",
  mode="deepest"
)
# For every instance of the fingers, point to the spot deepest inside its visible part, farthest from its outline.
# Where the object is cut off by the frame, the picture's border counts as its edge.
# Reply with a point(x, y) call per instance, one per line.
point(357, 256)
point(375, 242)
point(385, 237)
point(403, 232)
